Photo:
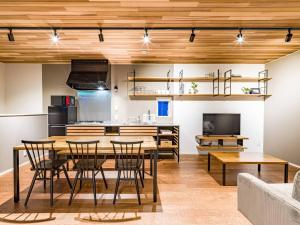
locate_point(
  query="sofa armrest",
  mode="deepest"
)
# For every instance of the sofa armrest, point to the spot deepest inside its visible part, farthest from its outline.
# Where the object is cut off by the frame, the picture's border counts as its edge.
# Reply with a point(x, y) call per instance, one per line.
point(264, 205)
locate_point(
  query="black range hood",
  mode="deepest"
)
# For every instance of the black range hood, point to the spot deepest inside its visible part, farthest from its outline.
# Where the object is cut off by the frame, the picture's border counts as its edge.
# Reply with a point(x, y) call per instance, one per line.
point(89, 75)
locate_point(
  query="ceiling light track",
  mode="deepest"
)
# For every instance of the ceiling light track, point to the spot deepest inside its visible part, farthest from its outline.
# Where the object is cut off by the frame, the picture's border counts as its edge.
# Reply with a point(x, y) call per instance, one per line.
point(150, 28)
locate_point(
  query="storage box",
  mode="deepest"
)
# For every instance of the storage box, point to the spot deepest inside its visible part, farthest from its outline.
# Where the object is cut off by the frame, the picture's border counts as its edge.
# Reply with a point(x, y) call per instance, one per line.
point(165, 143)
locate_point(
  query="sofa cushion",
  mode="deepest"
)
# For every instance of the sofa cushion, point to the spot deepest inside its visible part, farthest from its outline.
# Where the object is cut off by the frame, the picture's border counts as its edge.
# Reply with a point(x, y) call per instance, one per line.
point(296, 189)
point(285, 189)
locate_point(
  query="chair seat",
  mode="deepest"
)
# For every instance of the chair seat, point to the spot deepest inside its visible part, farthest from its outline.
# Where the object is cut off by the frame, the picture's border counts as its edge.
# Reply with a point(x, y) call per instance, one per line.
point(89, 164)
point(50, 164)
point(128, 164)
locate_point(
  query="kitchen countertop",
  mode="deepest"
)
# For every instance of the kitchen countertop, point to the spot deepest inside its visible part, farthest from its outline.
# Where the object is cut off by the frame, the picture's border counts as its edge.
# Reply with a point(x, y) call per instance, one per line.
point(17, 115)
point(112, 124)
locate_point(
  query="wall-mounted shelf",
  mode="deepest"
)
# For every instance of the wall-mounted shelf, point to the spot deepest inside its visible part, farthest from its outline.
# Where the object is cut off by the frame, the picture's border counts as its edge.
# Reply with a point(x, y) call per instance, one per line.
point(193, 79)
point(220, 97)
point(171, 79)
point(218, 93)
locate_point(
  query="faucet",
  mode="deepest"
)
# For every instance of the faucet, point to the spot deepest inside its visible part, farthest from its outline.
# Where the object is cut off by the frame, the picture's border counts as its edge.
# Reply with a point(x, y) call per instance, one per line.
point(139, 119)
point(149, 115)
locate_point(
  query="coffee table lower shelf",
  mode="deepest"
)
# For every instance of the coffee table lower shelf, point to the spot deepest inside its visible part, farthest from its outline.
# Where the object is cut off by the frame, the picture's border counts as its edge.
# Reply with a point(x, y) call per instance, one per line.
point(237, 158)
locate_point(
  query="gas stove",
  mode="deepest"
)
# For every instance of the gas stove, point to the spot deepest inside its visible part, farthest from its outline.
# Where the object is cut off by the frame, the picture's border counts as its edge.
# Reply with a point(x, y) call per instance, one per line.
point(90, 122)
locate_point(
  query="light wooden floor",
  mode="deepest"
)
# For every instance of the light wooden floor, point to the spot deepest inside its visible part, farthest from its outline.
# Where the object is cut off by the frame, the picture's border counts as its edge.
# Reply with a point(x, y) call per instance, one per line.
point(187, 195)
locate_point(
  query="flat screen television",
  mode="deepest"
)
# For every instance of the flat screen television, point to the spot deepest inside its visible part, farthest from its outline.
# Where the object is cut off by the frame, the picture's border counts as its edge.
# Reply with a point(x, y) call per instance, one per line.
point(221, 124)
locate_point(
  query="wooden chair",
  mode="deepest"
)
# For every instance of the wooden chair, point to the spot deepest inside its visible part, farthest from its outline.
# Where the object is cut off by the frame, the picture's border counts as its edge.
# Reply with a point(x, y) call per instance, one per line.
point(85, 157)
point(128, 158)
point(42, 158)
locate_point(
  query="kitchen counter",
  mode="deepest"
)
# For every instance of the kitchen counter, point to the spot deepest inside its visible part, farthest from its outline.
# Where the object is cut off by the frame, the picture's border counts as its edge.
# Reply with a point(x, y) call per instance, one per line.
point(16, 115)
point(165, 134)
point(112, 124)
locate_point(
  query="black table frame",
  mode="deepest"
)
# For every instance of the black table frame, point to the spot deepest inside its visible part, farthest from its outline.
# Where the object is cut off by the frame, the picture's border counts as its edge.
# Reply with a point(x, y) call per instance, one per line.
point(286, 169)
point(16, 173)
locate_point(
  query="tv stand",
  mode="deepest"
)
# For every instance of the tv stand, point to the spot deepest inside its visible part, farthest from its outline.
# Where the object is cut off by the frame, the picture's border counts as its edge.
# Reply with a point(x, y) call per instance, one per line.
point(216, 143)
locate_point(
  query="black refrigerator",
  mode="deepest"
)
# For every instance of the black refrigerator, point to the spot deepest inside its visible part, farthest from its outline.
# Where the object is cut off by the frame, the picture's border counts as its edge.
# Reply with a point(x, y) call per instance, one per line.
point(61, 112)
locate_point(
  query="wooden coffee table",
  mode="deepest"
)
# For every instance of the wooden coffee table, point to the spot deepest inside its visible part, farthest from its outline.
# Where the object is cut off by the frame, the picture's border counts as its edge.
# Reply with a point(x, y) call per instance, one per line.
point(258, 158)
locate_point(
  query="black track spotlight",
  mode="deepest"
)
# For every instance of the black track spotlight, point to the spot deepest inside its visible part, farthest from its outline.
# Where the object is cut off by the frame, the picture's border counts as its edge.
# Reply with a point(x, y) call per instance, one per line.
point(289, 36)
point(146, 38)
point(55, 37)
point(10, 35)
point(192, 36)
point(240, 38)
point(101, 37)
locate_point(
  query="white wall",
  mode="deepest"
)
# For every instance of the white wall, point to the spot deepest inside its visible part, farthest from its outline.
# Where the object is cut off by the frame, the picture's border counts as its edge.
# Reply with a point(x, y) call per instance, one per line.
point(54, 82)
point(16, 129)
point(124, 108)
point(282, 110)
point(188, 113)
point(2, 88)
point(23, 88)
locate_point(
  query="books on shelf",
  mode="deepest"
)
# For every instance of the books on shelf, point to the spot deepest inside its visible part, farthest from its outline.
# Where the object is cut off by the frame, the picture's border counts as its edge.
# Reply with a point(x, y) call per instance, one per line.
point(165, 131)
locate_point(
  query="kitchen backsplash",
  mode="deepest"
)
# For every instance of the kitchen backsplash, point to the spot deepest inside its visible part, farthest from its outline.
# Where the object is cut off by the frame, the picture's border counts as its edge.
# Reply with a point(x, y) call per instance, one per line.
point(94, 105)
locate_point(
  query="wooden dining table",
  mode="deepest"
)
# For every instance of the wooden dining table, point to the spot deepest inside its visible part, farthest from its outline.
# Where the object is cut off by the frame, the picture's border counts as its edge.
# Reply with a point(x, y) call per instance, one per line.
point(104, 147)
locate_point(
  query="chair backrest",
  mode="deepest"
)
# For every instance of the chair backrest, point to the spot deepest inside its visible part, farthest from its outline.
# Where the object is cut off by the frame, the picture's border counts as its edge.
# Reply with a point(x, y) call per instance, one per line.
point(86, 151)
point(39, 152)
point(127, 153)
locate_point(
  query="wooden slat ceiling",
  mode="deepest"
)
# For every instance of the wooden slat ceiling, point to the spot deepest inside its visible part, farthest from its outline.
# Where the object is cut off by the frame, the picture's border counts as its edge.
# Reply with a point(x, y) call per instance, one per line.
point(167, 46)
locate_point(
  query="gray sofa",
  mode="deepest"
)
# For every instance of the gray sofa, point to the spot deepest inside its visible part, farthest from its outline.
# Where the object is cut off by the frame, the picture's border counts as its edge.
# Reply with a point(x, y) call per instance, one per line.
point(267, 204)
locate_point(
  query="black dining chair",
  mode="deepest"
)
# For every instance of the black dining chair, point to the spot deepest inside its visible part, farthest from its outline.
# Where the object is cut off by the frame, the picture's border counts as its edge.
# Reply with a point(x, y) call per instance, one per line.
point(128, 158)
point(85, 157)
point(43, 158)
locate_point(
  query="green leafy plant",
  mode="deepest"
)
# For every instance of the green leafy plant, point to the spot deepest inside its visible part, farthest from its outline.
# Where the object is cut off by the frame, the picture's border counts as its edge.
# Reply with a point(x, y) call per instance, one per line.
point(246, 90)
point(194, 87)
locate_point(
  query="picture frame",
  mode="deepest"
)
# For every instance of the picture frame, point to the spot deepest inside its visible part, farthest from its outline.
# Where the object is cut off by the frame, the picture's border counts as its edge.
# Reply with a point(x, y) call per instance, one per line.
point(254, 90)
point(163, 107)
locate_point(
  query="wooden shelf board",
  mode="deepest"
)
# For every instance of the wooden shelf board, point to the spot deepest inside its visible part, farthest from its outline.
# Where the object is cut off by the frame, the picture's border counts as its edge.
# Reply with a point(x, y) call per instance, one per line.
point(167, 135)
point(220, 137)
point(112, 134)
point(220, 148)
point(173, 146)
point(253, 97)
point(245, 79)
point(194, 79)
point(171, 79)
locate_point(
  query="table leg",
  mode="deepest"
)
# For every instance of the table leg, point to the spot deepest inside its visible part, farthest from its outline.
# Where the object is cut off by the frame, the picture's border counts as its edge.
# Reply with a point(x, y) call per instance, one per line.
point(150, 161)
point(224, 174)
point(16, 176)
point(155, 176)
point(286, 173)
point(258, 168)
point(208, 162)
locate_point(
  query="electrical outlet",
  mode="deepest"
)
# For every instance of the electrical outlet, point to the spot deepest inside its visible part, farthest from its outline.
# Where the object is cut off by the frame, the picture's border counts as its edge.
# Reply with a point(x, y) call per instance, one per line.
point(25, 154)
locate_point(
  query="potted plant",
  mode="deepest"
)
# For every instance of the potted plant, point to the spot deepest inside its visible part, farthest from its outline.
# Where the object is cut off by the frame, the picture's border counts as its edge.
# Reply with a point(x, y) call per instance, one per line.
point(194, 87)
point(246, 90)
